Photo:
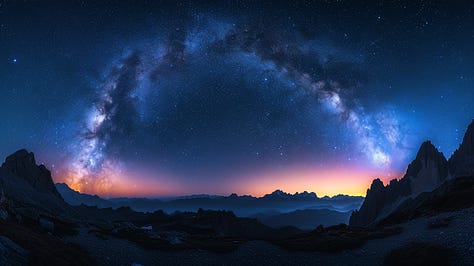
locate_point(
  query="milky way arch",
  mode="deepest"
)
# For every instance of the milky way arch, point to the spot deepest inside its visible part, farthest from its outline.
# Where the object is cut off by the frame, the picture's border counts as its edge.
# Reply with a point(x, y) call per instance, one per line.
point(326, 76)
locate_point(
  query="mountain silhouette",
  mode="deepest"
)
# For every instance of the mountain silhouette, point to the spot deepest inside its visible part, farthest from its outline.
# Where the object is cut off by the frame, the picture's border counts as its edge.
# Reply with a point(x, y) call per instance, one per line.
point(461, 162)
point(428, 171)
point(333, 209)
point(74, 198)
point(26, 183)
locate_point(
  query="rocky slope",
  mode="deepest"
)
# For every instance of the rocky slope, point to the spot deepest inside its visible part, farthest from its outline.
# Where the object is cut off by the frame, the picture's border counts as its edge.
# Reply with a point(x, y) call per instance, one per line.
point(427, 172)
point(455, 194)
point(30, 186)
point(75, 198)
point(461, 162)
point(34, 216)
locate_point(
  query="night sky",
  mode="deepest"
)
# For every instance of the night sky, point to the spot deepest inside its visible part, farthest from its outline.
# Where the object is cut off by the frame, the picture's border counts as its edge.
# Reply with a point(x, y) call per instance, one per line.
point(152, 98)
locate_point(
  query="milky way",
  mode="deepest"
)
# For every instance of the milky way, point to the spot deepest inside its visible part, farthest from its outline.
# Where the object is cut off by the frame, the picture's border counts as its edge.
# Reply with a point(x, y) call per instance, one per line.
point(166, 98)
point(324, 79)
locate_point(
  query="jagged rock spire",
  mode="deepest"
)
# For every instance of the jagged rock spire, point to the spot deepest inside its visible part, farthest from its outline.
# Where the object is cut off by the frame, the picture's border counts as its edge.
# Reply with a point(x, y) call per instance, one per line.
point(461, 162)
point(425, 173)
point(428, 170)
point(22, 164)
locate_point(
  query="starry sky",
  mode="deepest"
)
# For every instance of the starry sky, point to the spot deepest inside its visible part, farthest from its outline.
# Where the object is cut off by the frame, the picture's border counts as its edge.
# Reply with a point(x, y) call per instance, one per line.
point(162, 98)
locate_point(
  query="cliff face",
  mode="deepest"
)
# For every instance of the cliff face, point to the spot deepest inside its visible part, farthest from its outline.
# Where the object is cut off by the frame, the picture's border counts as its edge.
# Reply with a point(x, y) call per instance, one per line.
point(425, 173)
point(428, 170)
point(373, 204)
point(22, 165)
point(30, 185)
point(461, 162)
point(379, 200)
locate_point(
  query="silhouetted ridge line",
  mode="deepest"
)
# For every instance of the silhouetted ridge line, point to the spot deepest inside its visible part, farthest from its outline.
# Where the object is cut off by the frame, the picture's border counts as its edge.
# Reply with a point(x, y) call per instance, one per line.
point(425, 173)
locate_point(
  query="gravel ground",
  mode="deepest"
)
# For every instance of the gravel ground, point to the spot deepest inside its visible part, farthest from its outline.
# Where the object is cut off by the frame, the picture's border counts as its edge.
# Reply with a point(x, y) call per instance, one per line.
point(459, 235)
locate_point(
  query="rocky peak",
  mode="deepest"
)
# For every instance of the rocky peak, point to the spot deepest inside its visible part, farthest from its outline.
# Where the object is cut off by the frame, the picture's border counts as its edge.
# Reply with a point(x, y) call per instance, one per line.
point(373, 203)
point(281, 195)
point(305, 195)
point(428, 151)
point(467, 145)
point(22, 164)
point(278, 192)
point(461, 162)
point(376, 186)
point(428, 170)
point(277, 195)
point(233, 196)
point(376, 192)
point(22, 153)
point(425, 173)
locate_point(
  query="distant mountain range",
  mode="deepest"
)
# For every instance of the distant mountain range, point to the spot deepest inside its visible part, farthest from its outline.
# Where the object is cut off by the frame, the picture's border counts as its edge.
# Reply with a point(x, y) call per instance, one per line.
point(278, 205)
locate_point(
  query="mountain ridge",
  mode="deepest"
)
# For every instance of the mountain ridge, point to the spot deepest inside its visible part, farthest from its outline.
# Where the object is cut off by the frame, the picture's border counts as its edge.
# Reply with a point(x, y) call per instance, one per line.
point(425, 173)
point(461, 162)
point(24, 182)
point(278, 193)
point(244, 205)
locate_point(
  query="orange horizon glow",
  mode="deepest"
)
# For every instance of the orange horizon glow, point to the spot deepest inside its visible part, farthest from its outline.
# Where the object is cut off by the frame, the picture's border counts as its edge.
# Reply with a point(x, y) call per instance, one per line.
point(117, 184)
point(352, 181)
point(349, 180)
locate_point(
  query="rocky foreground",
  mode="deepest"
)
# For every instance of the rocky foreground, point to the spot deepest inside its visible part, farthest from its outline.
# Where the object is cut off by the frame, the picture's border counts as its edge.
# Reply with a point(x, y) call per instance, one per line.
point(444, 239)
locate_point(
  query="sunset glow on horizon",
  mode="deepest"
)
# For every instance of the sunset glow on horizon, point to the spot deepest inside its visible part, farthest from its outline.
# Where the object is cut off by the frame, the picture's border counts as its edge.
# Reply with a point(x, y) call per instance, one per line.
point(352, 181)
point(324, 182)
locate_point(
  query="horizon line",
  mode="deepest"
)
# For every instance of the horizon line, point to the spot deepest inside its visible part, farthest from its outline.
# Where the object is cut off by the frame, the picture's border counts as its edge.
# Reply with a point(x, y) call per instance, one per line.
point(210, 195)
